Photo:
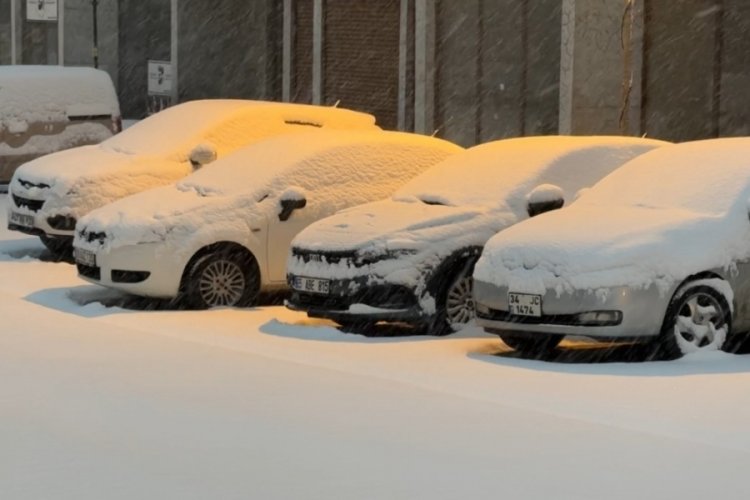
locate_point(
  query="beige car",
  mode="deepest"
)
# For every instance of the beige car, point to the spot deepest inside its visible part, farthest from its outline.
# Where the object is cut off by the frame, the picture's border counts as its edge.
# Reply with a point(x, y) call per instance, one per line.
point(44, 109)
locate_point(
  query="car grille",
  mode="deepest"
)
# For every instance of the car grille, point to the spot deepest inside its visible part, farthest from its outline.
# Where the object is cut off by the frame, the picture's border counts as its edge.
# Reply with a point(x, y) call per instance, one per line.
point(326, 256)
point(91, 272)
point(91, 237)
point(29, 184)
point(544, 319)
point(33, 205)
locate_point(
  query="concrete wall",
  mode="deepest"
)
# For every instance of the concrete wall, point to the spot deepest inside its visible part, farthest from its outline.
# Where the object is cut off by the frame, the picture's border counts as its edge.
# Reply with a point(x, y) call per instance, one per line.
point(5, 34)
point(498, 68)
point(79, 34)
point(229, 48)
point(735, 69)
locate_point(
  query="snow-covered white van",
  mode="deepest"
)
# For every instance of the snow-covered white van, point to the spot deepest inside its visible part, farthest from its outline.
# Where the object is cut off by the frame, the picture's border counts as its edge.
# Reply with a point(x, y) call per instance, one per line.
point(222, 234)
point(50, 194)
point(44, 109)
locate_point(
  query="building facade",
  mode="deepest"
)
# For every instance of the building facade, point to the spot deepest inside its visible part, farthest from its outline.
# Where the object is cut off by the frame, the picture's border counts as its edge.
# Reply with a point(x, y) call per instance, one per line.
point(470, 71)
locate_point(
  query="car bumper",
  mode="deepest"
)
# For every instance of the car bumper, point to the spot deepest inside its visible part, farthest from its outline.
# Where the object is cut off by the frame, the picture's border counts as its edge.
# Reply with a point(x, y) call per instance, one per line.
point(147, 269)
point(36, 222)
point(357, 299)
point(641, 312)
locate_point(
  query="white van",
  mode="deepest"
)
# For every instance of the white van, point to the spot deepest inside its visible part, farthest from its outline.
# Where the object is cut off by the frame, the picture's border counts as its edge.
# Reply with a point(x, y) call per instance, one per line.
point(44, 109)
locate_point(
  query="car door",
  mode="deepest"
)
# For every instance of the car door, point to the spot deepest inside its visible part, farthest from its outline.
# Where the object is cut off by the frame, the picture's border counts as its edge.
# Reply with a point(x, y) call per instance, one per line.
point(282, 228)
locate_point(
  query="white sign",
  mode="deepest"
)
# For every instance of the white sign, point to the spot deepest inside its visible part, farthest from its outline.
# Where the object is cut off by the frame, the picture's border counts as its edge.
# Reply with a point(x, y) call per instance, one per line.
point(41, 10)
point(160, 78)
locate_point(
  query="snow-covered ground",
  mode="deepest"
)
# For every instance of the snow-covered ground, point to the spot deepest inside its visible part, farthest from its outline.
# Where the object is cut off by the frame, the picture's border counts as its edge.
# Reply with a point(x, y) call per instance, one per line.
point(107, 402)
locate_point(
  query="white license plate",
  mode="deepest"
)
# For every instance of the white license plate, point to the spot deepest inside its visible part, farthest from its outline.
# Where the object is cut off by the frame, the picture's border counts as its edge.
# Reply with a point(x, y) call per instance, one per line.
point(311, 285)
point(85, 257)
point(525, 304)
point(22, 219)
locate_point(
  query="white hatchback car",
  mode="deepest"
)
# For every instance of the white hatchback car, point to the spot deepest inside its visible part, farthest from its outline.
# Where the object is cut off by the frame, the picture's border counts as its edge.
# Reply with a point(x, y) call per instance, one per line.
point(409, 258)
point(48, 195)
point(222, 234)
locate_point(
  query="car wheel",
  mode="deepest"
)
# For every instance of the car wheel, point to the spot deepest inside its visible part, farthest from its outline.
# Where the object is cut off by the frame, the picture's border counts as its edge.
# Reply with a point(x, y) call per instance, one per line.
point(698, 319)
point(224, 278)
point(533, 345)
point(455, 303)
point(60, 248)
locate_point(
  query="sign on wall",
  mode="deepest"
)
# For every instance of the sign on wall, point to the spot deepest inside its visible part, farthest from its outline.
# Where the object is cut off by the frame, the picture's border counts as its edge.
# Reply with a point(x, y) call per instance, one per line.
point(160, 85)
point(160, 78)
point(41, 10)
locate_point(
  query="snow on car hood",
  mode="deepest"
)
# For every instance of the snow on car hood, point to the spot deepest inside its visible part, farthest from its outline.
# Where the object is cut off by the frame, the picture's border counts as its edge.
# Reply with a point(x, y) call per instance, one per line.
point(586, 247)
point(157, 214)
point(78, 180)
point(390, 224)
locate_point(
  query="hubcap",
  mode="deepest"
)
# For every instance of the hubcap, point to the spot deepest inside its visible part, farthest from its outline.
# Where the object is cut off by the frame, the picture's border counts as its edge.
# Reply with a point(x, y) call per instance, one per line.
point(460, 302)
point(700, 324)
point(222, 283)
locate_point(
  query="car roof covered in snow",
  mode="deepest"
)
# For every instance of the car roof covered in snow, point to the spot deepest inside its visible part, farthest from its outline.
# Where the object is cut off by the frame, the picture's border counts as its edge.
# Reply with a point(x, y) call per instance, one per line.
point(504, 172)
point(53, 93)
point(702, 176)
point(305, 159)
point(227, 123)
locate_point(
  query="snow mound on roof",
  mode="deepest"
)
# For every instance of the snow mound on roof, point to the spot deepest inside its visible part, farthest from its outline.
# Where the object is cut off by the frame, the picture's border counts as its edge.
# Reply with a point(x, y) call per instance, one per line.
point(662, 217)
point(504, 172)
point(52, 93)
point(223, 122)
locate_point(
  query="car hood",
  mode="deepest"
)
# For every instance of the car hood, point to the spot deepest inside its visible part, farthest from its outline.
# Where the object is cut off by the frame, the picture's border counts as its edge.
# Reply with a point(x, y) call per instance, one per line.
point(158, 214)
point(590, 247)
point(389, 224)
point(79, 180)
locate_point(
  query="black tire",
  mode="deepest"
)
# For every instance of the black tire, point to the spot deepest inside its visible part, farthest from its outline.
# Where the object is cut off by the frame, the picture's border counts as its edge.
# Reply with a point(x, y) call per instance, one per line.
point(698, 318)
point(60, 248)
point(227, 277)
point(454, 301)
point(534, 345)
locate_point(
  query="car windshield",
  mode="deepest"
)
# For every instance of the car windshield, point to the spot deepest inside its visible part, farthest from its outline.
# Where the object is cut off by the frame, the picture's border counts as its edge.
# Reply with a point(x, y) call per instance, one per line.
point(174, 130)
point(703, 176)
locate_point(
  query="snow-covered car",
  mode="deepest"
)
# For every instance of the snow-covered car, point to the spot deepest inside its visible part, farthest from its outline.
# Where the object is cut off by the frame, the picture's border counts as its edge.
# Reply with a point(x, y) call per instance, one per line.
point(409, 258)
point(44, 109)
point(221, 235)
point(48, 195)
point(658, 250)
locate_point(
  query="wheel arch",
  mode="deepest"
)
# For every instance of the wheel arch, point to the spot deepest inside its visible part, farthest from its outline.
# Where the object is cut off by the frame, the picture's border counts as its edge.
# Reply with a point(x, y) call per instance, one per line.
point(212, 248)
point(451, 265)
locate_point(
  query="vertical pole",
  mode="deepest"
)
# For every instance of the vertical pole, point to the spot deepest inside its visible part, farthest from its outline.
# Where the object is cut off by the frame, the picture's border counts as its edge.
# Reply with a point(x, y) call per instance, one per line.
point(286, 63)
point(403, 59)
point(717, 69)
point(567, 66)
point(424, 66)
point(61, 32)
point(174, 53)
point(94, 5)
point(317, 70)
point(13, 55)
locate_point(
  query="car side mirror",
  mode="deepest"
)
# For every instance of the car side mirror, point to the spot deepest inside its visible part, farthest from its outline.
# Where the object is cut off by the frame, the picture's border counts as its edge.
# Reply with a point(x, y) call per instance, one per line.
point(202, 154)
point(291, 200)
point(544, 198)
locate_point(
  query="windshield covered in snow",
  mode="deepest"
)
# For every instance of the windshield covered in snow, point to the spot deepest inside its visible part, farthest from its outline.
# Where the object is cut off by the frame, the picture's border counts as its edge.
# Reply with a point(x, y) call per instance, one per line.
point(702, 176)
point(501, 173)
point(175, 130)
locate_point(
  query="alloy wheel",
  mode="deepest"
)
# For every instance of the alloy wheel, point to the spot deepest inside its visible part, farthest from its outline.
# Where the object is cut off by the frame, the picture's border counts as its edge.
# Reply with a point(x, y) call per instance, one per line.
point(700, 323)
point(459, 303)
point(222, 283)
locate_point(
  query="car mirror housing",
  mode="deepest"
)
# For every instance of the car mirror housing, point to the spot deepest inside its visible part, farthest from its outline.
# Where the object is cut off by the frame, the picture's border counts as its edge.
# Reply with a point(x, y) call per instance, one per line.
point(544, 198)
point(292, 199)
point(202, 154)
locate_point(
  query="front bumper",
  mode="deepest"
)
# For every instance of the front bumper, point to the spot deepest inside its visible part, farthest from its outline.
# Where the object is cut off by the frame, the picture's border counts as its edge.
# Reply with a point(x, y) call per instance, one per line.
point(148, 270)
point(42, 224)
point(642, 312)
point(358, 299)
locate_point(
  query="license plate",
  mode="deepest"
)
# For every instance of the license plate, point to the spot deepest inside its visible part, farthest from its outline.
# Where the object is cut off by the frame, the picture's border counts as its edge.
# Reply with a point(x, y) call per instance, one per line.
point(84, 257)
point(525, 304)
point(22, 219)
point(311, 285)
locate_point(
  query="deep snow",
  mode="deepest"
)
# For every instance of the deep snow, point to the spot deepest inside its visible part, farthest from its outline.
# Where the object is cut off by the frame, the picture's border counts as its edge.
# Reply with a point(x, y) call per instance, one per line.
point(100, 402)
